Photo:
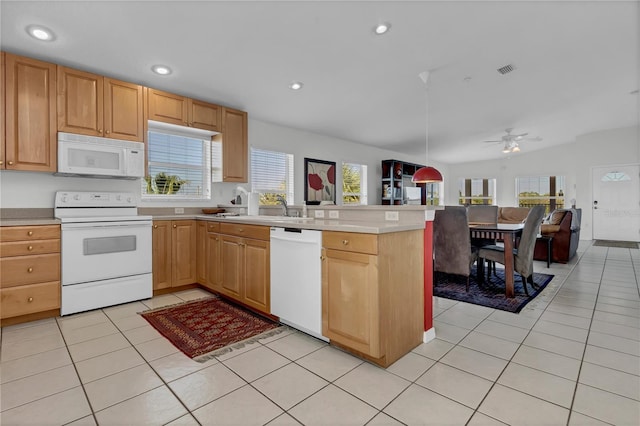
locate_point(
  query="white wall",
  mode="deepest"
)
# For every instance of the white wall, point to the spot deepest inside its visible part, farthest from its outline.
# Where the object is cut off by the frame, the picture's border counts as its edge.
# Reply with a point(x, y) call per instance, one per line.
point(573, 160)
point(37, 190)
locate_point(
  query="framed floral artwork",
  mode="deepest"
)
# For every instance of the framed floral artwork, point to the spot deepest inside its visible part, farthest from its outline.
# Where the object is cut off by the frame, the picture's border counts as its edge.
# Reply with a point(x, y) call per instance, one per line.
point(320, 181)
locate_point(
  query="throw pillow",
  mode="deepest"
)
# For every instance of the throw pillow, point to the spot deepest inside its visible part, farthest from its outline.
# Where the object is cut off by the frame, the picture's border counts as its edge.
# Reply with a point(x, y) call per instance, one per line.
point(556, 217)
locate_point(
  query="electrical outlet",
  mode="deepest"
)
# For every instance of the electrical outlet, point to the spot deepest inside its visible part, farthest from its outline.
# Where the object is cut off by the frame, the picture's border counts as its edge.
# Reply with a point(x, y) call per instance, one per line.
point(319, 214)
point(334, 214)
point(393, 215)
point(179, 210)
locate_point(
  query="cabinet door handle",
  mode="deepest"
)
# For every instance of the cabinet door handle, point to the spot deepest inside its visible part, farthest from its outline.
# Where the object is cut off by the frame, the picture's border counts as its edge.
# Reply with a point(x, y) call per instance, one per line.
point(107, 131)
point(30, 233)
point(30, 299)
point(10, 163)
point(175, 226)
point(30, 248)
point(99, 130)
point(29, 269)
point(1, 162)
point(155, 226)
point(322, 257)
point(345, 242)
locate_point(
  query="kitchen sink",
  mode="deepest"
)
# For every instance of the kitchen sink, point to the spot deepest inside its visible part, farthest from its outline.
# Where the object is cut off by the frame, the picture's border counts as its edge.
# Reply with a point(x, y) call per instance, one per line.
point(266, 218)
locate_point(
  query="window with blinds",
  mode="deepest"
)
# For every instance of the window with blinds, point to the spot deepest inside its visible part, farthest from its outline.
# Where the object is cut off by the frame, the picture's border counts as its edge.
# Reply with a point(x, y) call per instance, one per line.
point(272, 175)
point(354, 183)
point(476, 191)
point(182, 164)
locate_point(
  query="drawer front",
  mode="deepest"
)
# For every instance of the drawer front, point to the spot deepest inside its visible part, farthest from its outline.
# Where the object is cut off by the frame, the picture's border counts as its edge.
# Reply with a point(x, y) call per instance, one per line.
point(27, 233)
point(349, 241)
point(29, 269)
point(29, 299)
point(25, 248)
point(248, 231)
point(213, 227)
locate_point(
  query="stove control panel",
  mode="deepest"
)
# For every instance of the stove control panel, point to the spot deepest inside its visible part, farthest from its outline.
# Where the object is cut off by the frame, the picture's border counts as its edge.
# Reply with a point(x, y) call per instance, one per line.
point(95, 199)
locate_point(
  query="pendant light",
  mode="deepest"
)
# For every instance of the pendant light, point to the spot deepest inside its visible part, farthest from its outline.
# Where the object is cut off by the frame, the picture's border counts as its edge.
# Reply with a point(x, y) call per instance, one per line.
point(426, 174)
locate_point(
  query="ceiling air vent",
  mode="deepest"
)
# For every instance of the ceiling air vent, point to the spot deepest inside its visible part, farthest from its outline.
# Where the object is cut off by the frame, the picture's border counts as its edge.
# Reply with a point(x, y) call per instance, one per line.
point(506, 69)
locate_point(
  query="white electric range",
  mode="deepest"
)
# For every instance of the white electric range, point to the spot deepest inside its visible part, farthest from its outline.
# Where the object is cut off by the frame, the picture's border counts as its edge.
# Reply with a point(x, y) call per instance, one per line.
point(106, 250)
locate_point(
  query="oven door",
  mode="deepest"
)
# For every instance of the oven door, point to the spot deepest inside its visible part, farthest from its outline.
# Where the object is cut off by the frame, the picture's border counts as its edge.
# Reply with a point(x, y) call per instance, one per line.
point(103, 250)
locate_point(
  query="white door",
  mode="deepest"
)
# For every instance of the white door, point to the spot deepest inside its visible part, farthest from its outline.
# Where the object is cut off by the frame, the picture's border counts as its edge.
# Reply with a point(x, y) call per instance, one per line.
point(616, 203)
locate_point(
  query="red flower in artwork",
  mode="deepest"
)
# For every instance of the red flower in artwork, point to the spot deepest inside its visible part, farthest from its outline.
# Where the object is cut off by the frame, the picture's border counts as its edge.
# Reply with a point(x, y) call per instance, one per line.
point(331, 174)
point(315, 181)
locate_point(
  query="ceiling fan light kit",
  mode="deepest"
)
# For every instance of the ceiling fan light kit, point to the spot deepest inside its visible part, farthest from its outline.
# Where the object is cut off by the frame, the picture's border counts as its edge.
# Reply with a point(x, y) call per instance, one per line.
point(510, 142)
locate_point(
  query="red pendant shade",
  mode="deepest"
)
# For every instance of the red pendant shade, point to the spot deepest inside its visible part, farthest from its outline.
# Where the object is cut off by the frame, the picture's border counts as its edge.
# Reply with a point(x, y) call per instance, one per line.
point(426, 174)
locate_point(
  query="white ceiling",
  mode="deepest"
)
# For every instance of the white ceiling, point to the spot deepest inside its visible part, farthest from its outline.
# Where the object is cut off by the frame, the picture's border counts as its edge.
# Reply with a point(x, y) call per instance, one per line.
point(576, 64)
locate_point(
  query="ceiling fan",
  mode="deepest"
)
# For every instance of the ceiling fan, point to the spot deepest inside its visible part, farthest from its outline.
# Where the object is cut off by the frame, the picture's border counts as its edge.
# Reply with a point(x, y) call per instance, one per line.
point(510, 141)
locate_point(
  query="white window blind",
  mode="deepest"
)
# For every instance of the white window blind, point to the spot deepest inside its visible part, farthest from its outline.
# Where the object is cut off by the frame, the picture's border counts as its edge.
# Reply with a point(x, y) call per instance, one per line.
point(354, 183)
point(180, 164)
point(272, 175)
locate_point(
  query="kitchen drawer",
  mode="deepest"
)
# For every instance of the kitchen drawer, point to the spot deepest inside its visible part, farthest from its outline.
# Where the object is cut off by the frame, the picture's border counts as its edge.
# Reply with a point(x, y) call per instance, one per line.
point(213, 227)
point(349, 241)
point(248, 231)
point(29, 299)
point(29, 269)
point(28, 233)
point(25, 248)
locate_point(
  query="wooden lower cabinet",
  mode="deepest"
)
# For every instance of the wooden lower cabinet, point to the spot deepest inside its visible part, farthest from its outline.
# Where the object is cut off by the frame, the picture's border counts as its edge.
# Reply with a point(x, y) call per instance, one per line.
point(235, 260)
point(30, 279)
point(174, 253)
point(373, 293)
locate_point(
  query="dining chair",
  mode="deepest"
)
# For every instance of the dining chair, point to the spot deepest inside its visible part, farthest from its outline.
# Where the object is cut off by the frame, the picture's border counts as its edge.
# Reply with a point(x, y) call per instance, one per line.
point(483, 214)
point(452, 250)
point(523, 254)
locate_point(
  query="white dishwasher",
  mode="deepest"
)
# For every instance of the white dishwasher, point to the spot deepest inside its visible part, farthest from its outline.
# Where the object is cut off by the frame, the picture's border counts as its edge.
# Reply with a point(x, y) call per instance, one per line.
point(296, 285)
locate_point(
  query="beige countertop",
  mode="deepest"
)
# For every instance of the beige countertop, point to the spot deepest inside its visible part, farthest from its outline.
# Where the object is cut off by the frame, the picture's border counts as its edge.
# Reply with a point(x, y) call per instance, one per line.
point(362, 226)
point(30, 221)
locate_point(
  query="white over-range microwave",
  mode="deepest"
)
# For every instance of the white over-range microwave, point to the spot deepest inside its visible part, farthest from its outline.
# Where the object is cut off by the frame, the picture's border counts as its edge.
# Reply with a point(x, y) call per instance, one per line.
point(99, 157)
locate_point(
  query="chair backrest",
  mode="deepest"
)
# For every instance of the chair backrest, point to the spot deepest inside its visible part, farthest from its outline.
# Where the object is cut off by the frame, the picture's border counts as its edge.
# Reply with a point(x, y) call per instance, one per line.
point(482, 213)
point(523, 263)
point(451, 241)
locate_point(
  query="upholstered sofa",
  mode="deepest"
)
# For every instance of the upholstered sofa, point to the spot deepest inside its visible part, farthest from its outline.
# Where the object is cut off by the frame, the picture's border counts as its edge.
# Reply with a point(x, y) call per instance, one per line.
point(512, 214)
point(564, 226)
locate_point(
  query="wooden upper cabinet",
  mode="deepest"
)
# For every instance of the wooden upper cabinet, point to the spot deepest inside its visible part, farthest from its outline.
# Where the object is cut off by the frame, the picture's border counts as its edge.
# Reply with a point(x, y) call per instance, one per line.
point(80, 102)
point(234, 145)
point(183, 111)
point(94, 105)
point(167, 107)
point(30, 128)
point(123, 110)
point(204, 115)
point(2, 115)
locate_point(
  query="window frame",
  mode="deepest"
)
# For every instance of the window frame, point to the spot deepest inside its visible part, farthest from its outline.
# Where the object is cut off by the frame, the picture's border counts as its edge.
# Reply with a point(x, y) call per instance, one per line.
point(266, 195)
point(363, 195)
point(467, 198)
point(556, 201)
point(206, 168)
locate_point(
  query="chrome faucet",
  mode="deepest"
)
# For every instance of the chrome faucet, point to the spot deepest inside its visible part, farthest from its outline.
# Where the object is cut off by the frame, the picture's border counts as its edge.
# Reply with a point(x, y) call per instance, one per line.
point(281, 199)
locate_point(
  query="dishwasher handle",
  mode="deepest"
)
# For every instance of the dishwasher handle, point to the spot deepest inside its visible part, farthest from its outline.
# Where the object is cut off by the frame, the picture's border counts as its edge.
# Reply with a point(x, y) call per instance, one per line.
point(292, 240)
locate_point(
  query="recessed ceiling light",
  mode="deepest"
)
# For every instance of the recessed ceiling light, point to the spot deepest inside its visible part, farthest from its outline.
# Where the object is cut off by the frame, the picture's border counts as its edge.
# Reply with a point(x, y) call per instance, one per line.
point(382, 28)
point(161, 69)
point(40, 33)
point(296, 85)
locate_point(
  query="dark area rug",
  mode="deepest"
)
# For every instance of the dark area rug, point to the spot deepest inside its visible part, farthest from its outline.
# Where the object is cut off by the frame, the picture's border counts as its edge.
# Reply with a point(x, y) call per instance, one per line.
point(490, 293)
point(205, 328)
point(616, 244)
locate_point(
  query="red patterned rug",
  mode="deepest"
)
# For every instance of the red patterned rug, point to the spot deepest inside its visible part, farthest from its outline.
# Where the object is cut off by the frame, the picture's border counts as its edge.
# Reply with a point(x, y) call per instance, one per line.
point(209, 327)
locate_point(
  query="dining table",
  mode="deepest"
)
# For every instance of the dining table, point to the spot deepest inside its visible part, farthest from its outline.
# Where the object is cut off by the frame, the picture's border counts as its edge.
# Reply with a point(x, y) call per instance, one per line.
point(508, 233)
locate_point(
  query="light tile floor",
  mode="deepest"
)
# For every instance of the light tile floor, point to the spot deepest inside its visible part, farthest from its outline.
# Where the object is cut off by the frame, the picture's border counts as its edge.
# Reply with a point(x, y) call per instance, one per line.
point(571, 357)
